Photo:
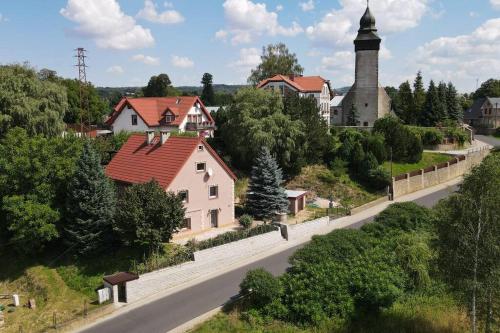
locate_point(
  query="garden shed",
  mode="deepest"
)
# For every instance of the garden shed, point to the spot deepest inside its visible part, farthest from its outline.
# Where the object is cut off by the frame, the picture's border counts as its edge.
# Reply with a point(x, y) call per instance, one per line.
point(117, 283)
point(296, 201)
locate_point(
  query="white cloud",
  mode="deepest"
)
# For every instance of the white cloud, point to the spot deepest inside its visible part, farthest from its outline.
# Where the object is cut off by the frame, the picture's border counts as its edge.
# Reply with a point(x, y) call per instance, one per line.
point(150, 13)
point(247, 19)
point(221, 34)
point(279, 8)
point(115, 70)
point(148, 60)
point(339, 26)
point(474, 14)
point(105, 23)
point(495, 4)
point(249, 58)
point(307, 6)
point(181, 62)
point(471, 56)
point(168, 4)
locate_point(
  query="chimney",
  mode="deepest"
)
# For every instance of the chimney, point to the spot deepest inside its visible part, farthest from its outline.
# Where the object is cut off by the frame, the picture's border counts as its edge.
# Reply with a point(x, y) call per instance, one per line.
point(149, 136)
point(164, 135)
point(178, 101)
point(292, 77)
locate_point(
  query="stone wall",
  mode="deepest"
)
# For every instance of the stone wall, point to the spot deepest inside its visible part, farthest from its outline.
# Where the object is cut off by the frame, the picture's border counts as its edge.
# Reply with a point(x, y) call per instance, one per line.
point(306, 229)
point(437, 174)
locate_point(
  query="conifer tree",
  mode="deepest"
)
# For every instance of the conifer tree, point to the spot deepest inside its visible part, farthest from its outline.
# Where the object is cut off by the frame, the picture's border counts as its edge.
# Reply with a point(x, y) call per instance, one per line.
point(419, 95)
point(455, 111)
point(266, 196)
point(90, 204)
point(352, 116)
point(442, 111)
point(429, 116)
point(207, 95)
point(406, 104)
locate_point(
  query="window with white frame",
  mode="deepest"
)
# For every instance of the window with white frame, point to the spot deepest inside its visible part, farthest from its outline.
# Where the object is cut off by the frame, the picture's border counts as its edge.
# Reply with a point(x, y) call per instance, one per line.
point(184, 194)
point(186, 223)
point(201, 167)
point(169, 117)
point(213, 191)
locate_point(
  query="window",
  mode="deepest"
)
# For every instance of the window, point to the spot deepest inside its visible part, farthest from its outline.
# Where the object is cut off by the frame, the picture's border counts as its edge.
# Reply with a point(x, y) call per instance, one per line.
point(184, 195)
point(169, 117)
point(366, 105)
point(335, 112)
point(186, 223)
point(201, 167)
point(134, 120)
point(200, 148)
point(213, 191)
point(365, 124)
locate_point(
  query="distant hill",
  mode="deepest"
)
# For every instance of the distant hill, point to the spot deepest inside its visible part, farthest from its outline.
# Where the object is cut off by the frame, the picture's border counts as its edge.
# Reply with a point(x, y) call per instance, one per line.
point(342, 91)
point(223, 88)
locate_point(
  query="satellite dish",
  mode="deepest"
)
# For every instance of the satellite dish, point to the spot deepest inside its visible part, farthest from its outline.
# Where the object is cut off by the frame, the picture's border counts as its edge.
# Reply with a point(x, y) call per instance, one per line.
point(210, 172)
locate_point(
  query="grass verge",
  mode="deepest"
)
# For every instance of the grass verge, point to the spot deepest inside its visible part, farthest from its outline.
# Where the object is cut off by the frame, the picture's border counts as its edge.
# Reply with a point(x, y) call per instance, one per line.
point(428, 159)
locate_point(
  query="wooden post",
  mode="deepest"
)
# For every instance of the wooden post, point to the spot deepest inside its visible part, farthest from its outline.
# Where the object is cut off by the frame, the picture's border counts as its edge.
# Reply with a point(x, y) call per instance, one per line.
point(54, 320)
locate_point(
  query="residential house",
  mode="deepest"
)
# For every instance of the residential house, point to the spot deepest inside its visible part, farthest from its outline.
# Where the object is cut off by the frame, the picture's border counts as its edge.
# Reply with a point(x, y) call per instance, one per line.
point(304, 86)
point(484, 113)
point(336, 110)
point(183, 165)
point(183, 113)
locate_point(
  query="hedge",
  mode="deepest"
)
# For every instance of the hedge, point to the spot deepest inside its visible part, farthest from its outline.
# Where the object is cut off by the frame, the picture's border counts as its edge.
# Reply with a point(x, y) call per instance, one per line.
point(229, 237)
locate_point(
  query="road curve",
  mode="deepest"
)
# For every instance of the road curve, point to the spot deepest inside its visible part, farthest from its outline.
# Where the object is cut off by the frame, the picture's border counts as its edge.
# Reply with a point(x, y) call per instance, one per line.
point(176, 309)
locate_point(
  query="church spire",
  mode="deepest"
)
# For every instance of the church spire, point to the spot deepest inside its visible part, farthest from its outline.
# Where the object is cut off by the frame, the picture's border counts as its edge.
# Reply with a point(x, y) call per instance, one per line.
point(367, 38)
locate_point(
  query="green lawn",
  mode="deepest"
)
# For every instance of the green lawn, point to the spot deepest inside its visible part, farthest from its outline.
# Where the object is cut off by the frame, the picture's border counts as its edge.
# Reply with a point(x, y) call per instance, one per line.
point(427, 160)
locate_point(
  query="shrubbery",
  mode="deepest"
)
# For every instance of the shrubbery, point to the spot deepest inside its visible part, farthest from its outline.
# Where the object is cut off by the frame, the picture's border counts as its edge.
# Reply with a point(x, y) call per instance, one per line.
point(246, 221)
point(406, 145)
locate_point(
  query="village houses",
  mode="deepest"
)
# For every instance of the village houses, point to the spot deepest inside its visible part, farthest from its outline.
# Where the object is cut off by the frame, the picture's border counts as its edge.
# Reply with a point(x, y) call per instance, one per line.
point(182, 113)
point(304, 86)
point(184, 165)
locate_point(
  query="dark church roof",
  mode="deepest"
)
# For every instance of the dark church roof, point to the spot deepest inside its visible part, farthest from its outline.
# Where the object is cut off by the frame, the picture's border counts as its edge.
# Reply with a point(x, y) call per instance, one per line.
point(367, 38)
point(475, 110)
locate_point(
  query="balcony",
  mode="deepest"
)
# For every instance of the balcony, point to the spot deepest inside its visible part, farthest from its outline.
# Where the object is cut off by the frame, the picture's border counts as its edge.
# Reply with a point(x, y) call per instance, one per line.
point(199, 126)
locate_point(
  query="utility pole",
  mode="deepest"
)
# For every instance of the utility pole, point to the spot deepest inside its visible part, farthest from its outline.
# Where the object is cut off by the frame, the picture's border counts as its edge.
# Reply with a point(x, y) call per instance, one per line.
point(82, 79)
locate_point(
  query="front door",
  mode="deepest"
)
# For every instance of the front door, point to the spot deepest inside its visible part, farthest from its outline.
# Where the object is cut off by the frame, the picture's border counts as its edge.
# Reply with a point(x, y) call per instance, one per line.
point(214, 216)
point(122, 293)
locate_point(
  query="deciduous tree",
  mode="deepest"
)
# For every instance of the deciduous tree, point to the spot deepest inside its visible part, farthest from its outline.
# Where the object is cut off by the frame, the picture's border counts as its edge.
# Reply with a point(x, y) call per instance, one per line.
point(275, 59)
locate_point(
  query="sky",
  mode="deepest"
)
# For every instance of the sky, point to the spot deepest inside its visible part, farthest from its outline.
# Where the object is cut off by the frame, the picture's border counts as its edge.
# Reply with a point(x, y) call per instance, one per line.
point(128, 41)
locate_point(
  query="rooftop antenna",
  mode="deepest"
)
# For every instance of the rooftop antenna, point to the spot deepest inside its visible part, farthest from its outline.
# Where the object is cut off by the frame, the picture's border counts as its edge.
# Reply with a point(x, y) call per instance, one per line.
point(82, 79)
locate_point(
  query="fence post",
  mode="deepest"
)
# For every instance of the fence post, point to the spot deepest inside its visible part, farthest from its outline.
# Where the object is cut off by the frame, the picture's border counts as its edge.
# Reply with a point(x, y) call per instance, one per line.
point(85, 311)
point(54, 320)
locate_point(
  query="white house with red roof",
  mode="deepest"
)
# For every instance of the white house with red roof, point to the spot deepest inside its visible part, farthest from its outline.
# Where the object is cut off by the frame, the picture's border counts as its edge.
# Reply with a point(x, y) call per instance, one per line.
point(183, 165)
point(304, 86)
point(183, 113)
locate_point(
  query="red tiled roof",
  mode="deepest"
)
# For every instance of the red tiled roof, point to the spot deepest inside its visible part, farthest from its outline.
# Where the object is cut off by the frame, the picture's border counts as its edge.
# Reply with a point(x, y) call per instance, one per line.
point(138, 162)
point(301, 83)
point(152, 109)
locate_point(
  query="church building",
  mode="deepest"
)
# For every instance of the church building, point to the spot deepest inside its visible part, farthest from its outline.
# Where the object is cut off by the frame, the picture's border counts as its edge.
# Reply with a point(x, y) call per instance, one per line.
point(369, 99)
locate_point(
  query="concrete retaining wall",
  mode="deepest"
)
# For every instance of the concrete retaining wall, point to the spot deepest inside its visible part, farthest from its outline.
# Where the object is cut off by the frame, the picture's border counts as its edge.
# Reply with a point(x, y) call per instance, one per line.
point(369, 205)
point(245, 247)
point(301, 230)
point(456, 167)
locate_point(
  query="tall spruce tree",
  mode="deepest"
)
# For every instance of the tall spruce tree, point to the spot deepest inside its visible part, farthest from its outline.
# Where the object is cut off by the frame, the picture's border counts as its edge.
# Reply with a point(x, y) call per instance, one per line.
point(207, 95)
point(442, 111)
point(419, 95)
point(90, 204)
point(406, 104)
point(429, 116)
point(266, 196)
point(353, 116)
point(455, 111)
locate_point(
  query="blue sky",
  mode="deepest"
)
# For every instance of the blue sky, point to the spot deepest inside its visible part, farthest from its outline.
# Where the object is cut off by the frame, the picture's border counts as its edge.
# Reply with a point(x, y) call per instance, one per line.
point(130, 40)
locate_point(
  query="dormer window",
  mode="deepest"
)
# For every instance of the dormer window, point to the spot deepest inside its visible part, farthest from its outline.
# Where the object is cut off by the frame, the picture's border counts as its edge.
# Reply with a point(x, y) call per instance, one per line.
point(169, 118)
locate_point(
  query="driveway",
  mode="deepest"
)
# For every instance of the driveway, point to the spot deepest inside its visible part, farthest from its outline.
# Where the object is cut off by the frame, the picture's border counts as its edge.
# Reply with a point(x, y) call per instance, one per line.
point(176, 309)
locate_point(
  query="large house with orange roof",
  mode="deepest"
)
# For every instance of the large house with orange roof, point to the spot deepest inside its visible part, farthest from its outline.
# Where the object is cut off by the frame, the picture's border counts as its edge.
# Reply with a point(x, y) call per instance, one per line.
point(184, 165)
point(304, 86)
point(183, 113)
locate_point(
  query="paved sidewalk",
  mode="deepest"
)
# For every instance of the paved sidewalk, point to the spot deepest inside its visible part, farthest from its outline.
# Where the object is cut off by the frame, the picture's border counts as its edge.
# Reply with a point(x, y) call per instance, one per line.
point(186, 281)
point(476, 145)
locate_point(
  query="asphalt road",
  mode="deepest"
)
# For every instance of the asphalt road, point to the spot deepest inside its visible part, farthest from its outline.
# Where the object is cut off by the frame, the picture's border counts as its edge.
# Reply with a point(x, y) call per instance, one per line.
point(491, 140)
point(176, 309)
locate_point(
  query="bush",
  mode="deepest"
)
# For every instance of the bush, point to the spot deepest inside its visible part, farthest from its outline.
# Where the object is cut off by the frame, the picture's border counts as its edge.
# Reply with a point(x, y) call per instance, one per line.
point(246, 221)
point(378, 178)
point(400, 217)
point(229, 237)
point(260, 287)
point(406, 144)
point(458, 135)
point(431, 137)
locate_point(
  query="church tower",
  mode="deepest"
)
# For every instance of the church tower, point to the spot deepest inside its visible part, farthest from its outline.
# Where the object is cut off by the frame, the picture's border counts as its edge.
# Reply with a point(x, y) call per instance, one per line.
point(368, 97)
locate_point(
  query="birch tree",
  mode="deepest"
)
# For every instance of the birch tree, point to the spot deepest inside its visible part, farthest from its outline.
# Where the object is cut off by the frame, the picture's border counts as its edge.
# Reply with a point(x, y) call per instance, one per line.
point(469, 241)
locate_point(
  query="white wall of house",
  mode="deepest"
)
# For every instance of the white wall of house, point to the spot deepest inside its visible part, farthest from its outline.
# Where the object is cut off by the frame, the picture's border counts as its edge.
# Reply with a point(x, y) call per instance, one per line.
point(199, 203)
point(124, 122)
point(194, 111)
